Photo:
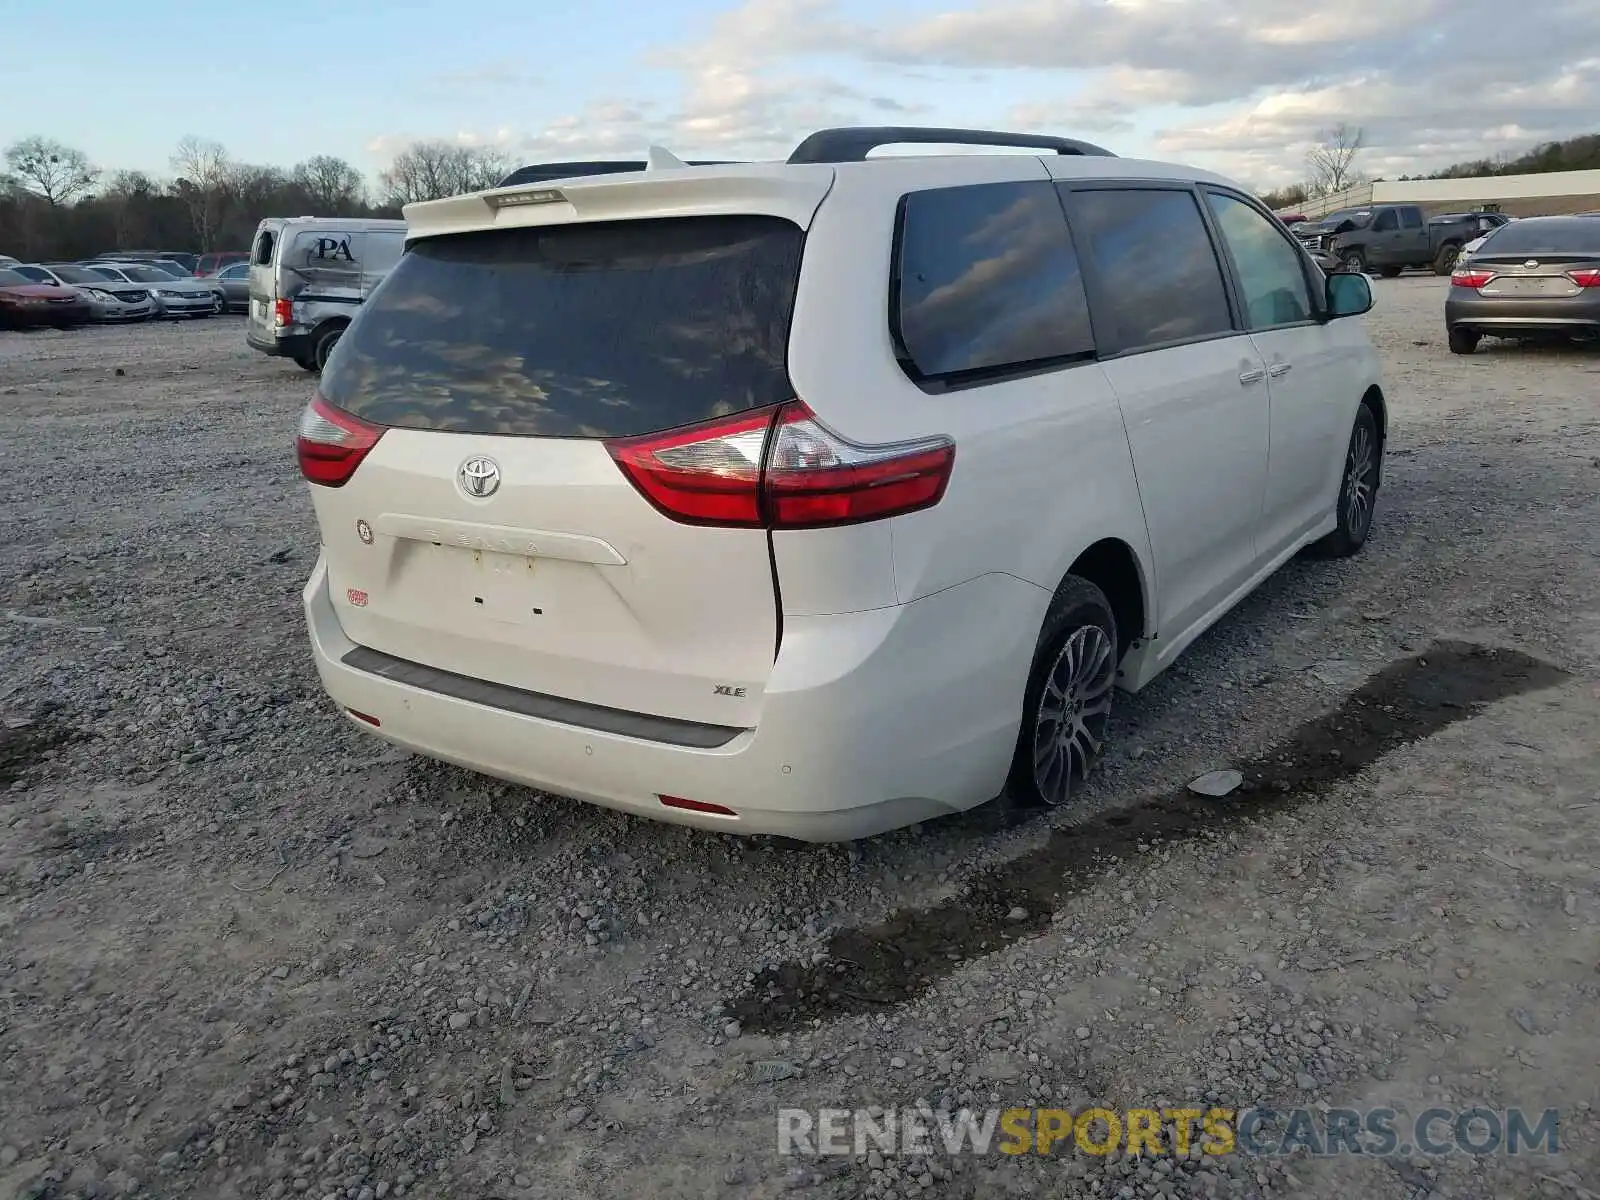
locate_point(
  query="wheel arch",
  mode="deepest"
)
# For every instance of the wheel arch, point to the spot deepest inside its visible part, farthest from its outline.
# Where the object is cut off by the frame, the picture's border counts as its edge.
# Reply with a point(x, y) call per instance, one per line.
point(1374, 400)
point(1114, 567)
point(339, 321)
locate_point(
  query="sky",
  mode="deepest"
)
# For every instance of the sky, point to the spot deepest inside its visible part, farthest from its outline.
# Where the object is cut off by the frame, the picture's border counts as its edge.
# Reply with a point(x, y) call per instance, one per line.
point(1239, 86)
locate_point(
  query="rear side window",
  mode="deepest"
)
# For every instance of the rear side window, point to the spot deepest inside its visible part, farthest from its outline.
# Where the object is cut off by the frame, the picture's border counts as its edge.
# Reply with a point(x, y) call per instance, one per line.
point(265, 243)
point(1411, 218)
point(593, 330)
point(987, 281)
point(1158, 271)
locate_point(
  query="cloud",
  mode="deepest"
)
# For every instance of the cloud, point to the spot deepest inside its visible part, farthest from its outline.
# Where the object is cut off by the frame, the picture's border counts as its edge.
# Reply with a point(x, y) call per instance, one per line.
point(1453, 114)
point(1242, 87)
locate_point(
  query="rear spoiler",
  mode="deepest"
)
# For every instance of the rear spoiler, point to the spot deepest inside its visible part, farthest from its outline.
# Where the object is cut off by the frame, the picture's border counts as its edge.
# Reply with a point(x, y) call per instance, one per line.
point(546, 172)
point(744, 189)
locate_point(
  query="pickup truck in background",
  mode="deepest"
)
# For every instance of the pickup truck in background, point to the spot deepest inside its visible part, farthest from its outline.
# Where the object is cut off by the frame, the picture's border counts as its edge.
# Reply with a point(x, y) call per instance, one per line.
point(1388, 238)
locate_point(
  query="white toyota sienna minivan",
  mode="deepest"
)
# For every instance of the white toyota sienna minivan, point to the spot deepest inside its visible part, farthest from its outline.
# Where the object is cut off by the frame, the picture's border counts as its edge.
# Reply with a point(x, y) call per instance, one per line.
point(822, 497)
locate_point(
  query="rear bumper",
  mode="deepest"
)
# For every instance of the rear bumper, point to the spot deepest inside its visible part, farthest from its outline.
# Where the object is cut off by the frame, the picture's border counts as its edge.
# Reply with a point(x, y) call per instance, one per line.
point(1508, 314)
point(290, 345)
point(870, 721)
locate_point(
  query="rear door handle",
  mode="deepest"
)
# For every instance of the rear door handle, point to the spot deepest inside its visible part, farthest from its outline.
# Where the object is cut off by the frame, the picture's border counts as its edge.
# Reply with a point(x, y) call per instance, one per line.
point(1254, 375)
point(1279, 368)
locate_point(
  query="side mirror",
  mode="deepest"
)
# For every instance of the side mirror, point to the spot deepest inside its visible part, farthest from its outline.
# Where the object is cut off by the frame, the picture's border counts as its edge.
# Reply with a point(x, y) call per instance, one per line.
point(1348, 295)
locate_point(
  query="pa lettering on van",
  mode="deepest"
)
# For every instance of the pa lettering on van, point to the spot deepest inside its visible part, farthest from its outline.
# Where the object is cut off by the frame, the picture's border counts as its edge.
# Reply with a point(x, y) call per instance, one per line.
point(332, 249)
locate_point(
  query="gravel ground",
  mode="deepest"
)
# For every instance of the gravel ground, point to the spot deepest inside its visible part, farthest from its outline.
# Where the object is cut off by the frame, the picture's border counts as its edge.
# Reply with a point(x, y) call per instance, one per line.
point(247, 951)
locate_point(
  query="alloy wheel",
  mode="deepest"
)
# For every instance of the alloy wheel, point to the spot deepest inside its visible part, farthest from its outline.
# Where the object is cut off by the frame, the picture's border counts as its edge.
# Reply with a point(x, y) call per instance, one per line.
point(1074, 709)
point(1359, 482)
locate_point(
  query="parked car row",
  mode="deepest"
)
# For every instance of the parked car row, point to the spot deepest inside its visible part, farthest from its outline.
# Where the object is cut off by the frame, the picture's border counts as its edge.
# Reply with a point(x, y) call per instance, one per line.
point(200, 266)
point(117, 290)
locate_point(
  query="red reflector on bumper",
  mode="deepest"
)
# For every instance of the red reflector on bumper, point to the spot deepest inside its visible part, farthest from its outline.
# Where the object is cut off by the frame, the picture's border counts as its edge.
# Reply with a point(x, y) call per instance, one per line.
point(699, 806)
point(361, 716)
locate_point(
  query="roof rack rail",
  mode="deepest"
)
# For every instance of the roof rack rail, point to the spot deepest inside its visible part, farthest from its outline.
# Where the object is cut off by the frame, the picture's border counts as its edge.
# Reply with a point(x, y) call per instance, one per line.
point(544, 172)
point(854, 144)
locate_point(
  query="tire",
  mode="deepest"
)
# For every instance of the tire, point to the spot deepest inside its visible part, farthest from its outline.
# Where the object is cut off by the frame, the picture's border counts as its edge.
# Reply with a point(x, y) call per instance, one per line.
point(1358, 489)
point(1446, 260)
point(1390, 272)
point(1463, 341)
point(1070, 687)
point(322, 346)
point(219, 304)
point(1354, 261)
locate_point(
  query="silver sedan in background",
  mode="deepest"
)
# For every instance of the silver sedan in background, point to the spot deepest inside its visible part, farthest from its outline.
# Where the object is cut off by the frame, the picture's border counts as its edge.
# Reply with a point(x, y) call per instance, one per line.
point(173, 297)
point(234, 280)
point(108, 302)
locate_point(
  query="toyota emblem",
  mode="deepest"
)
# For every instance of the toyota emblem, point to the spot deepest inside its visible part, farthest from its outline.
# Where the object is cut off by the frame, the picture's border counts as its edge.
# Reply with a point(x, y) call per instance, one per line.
point(479, 477)
point(1531, 263)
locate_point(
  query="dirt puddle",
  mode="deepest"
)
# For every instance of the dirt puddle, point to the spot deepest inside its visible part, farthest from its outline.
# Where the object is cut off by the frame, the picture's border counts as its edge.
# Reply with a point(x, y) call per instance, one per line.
point(892, 962)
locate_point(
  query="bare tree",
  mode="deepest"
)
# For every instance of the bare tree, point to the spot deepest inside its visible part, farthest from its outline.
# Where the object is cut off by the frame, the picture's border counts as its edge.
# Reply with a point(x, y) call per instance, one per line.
point(204, 175)
point(57, 173)
point(433, 170)
point(333, 185)
point(254, 189)
point(125, 194)
point(1331, 160)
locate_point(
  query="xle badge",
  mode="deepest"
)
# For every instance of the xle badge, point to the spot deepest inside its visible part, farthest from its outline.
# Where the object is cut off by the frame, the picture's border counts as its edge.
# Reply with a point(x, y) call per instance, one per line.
point(364, 532)
point(727, 689)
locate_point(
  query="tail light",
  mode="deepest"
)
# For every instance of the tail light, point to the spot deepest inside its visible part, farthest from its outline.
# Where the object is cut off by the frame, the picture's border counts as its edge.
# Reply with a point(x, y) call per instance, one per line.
point(1470, 277)
point(781, 469)
point(1587, 278)
point(282, 313)
point(332, 443)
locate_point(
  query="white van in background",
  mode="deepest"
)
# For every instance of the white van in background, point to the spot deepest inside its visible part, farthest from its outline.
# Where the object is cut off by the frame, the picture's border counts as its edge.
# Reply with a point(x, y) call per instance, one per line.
point(308, 275)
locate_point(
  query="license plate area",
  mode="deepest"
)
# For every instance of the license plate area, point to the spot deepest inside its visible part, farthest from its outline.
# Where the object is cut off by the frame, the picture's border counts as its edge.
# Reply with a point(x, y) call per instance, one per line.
point(1531, 285)
point(496, 587)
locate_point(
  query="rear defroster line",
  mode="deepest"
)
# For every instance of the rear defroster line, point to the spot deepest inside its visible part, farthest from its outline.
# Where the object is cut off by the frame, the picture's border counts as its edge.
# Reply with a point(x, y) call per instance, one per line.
point(897, 960)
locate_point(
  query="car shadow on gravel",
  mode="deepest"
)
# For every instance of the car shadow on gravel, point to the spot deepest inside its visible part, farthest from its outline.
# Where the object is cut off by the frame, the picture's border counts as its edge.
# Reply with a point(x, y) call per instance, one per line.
point(869, 969)
point(1549, 347)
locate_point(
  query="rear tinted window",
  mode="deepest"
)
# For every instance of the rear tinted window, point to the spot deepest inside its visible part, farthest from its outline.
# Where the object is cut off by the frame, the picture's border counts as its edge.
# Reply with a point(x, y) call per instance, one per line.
point(594, 330)
point(1572, 234)
point(987, 280)
point(1157, 267)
